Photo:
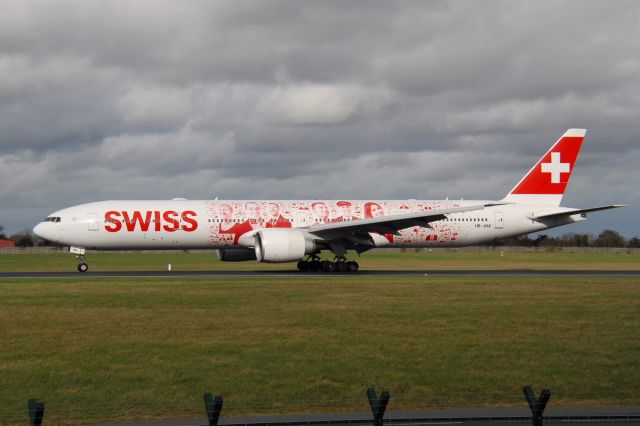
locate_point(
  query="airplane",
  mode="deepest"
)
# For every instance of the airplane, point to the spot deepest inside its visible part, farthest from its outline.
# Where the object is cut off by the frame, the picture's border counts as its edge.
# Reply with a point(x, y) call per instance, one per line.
point(279, 231)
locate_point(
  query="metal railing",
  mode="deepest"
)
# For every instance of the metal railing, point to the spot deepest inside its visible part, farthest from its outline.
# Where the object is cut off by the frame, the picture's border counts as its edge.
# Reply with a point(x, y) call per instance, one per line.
point(213, 405)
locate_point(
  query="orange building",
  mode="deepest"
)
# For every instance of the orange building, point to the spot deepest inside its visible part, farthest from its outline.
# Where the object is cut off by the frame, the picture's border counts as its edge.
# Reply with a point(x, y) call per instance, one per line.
point(7, 243)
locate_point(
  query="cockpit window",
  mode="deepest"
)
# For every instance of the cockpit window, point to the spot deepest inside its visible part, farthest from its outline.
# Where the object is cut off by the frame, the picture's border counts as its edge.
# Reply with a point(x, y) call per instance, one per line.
point(52, 219)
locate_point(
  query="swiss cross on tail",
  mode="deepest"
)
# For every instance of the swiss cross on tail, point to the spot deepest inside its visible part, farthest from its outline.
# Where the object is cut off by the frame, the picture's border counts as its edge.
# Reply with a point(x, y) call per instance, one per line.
point(556, 167)
point(547, 180)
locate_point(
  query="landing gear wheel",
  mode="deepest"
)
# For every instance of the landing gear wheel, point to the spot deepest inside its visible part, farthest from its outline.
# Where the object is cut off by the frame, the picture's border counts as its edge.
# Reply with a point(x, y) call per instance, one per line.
point(328, 266)
point(352, 266)
point(82, 265)
point(312, 263)
point(341, 266)
point(304, 266)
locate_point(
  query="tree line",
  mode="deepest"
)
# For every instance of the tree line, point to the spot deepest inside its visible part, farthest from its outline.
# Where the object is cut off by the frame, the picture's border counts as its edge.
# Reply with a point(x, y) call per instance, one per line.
point(607, 238)
point(24, 238)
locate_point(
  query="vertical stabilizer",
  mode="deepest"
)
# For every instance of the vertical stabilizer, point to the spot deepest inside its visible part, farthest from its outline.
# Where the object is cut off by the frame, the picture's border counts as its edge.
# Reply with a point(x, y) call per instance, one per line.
point(547, 180)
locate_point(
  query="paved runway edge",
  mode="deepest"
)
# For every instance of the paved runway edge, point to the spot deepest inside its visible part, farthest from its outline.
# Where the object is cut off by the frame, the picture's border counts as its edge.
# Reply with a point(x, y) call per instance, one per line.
point(296, 274)
point(469, 414)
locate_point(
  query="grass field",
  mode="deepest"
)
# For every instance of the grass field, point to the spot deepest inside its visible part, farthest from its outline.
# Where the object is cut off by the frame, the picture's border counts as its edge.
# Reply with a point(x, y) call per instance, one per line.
point(124, 349)
point(436, 259)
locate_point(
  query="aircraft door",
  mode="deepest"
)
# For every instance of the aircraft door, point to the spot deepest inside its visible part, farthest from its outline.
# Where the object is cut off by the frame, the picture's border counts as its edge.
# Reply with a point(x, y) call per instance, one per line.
point(93, 221)
point(499, 216)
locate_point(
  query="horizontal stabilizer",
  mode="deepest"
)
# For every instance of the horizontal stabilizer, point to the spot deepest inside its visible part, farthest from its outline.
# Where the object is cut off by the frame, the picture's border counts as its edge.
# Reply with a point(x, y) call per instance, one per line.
point(575, 211)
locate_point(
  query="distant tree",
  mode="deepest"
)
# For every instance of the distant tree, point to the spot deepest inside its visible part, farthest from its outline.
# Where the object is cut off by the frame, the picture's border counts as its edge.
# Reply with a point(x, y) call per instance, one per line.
point(2, 234)
point(24, 241)
point(24, 238)
point(581, 240)
point(551, 241)
point(522, 240)
point(540, 240)
point(634, 242)
point(39, 242)
point(568, 240)
point(609, 238)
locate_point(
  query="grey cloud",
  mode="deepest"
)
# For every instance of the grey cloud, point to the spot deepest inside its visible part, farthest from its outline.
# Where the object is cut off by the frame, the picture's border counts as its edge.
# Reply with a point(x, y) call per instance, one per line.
point(518, 50)
point(319, 104)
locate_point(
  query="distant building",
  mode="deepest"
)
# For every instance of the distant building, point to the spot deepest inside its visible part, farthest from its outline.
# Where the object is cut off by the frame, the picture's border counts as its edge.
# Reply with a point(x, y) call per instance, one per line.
point(7, 243)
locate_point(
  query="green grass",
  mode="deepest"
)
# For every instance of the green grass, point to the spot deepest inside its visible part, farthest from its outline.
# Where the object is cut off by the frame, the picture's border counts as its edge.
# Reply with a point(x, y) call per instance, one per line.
point(114, 349)
point(436, 259)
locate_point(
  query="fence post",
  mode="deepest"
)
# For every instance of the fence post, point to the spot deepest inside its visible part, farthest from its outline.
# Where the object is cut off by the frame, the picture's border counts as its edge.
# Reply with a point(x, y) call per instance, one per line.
point(36, 412)
point(378, 407)
point(213, 406)
point(536, 405)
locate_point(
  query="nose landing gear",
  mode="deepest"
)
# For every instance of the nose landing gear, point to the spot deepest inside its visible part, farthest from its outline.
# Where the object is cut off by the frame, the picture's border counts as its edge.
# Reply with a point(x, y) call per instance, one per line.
point(79, 252)
point(82, 265)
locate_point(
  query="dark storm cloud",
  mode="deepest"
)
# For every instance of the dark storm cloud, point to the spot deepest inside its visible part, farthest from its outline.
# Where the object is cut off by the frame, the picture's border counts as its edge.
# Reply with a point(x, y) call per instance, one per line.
point(154, 99)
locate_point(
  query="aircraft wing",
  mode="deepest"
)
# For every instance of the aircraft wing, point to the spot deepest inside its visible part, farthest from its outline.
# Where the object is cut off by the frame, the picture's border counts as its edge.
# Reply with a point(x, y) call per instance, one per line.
point(357, 231)
point(575, 211)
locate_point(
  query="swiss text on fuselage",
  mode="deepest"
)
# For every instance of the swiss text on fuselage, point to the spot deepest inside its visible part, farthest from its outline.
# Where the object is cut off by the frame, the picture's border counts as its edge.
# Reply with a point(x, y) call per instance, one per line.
point(169, 221)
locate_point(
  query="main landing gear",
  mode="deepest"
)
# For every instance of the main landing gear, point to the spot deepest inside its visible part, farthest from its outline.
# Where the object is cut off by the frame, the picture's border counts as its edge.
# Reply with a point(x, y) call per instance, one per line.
point(339, 264)
point(82, 265)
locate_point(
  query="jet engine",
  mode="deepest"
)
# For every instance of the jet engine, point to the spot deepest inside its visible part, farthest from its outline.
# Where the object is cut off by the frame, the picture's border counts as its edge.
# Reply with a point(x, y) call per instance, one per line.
point(282, 245)
point(236, 255)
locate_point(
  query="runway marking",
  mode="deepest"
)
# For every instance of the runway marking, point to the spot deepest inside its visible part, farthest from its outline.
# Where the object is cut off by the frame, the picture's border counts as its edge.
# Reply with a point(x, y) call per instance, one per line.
point(598, 420)
point(423, 423)
point(296, 274)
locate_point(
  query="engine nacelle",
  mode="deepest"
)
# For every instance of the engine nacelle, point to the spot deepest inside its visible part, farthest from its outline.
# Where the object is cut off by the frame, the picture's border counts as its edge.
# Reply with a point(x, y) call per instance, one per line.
point(236, 255)
point(282, 245)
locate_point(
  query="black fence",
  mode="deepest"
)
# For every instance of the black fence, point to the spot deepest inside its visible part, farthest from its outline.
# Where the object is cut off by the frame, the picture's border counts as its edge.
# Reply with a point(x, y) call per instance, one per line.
point(213, 408)
point(480, 421)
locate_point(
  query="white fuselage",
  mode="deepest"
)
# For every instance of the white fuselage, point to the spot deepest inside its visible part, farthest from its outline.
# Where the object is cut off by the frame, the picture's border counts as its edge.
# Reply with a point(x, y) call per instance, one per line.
point(202, 224)
point(278, 231)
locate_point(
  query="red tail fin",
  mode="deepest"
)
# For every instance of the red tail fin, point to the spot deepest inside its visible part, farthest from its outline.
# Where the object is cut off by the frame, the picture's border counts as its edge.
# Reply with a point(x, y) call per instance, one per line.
point(547, 180)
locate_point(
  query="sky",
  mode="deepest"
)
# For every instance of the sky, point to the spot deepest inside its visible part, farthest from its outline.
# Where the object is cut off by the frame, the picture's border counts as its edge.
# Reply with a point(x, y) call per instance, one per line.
point(306, 100)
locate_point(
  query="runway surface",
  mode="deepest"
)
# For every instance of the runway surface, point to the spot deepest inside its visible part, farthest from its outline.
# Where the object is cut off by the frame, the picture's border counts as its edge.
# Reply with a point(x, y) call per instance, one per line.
point(477, 416)
point(297, 274)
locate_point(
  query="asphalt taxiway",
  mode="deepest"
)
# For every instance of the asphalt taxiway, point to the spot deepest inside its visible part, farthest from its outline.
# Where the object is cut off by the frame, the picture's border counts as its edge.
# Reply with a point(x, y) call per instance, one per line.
point(361, 273)
point(469, 416)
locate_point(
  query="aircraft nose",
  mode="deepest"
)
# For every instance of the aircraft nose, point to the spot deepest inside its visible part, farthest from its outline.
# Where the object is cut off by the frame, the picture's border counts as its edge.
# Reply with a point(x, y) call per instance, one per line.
point(38, 229)
point(44, 231)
